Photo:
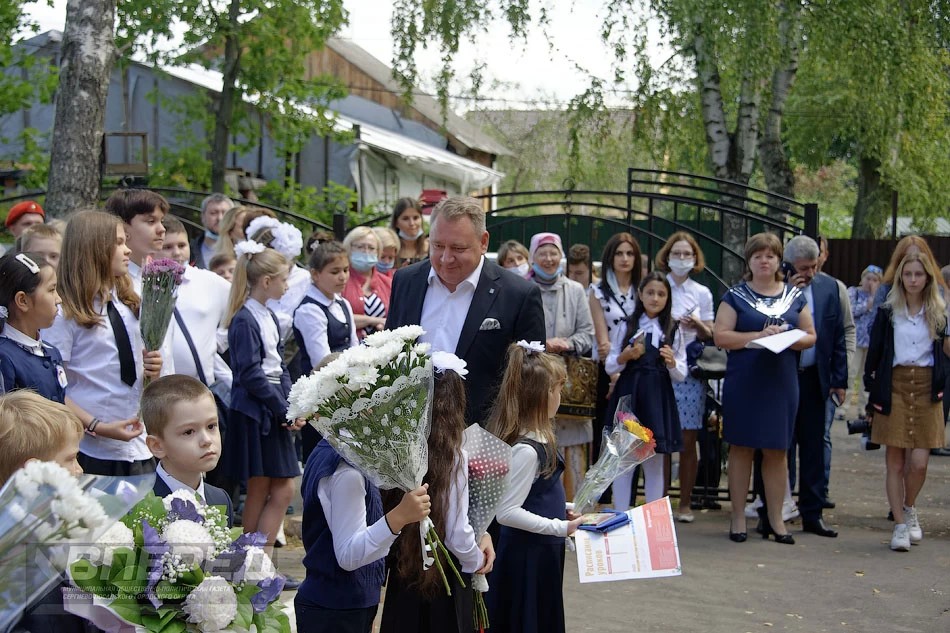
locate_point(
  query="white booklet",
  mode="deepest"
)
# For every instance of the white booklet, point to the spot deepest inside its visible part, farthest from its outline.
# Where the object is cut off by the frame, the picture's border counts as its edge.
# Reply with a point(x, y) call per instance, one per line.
point(778, 342)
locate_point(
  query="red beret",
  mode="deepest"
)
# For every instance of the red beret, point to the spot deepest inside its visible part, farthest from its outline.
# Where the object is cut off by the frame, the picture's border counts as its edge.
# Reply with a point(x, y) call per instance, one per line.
point(23, 208)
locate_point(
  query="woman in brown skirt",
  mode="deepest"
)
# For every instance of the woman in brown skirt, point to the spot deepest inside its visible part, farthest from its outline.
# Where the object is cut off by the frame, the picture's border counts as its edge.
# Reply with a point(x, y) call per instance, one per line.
point(905, 374)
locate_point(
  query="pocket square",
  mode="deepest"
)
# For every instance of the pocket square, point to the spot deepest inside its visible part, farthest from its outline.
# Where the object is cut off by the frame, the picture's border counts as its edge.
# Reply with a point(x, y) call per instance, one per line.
point(489, 324)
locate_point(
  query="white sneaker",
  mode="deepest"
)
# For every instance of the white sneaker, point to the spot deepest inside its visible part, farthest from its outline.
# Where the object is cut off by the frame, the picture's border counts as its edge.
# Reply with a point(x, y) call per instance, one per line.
point(789, 511)
point(752, 509)
point(900, 541)
point(913, 525)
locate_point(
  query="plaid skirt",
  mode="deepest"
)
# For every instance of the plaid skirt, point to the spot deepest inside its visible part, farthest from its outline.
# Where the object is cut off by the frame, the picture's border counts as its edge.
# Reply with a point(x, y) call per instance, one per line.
point(915, 421)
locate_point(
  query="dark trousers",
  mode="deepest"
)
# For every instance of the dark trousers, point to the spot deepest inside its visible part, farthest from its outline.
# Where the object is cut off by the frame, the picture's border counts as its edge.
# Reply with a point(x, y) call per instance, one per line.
point(313, 619)
point(809, 436)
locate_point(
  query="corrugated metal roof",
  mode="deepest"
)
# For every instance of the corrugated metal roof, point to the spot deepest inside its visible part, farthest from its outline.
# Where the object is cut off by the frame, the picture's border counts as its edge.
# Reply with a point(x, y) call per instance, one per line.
point(467, 133)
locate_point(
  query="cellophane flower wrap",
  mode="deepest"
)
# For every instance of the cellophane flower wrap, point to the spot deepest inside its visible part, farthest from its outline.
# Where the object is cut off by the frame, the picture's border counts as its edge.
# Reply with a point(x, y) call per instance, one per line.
point(173, 564)
point(46, 516)
point(373, 405)
point(625, 445)
point(489, 461)
point(160, 281)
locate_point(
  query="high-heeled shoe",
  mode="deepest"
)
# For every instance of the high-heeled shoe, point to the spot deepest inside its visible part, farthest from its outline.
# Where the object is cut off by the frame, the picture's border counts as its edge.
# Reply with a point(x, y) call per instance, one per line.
point(738, 537)
point(784, 539)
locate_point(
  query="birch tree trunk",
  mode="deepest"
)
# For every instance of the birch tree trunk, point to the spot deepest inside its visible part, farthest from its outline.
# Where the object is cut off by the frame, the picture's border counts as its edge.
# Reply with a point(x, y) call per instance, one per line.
point(772, 157)
point(88, 53)
point(732, 155)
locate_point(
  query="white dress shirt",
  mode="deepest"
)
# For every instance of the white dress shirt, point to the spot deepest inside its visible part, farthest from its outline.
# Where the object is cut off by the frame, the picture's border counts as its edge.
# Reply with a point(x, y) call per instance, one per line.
point(175, 485)
point(91, 360)
point(616, 309)
point(522, 475)
point(459, 535)
point(618, 341)
point(444, 312)
point(202, 303)
point(270, 338)
point(298, 282)
point(691, 294)
point(355, 544)
point(912, 343)
point(312, 323)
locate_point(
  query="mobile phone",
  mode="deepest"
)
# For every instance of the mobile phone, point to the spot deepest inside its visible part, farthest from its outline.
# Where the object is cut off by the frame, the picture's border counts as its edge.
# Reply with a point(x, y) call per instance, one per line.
point(789, 271)
point(639, 337)
point(835, 398)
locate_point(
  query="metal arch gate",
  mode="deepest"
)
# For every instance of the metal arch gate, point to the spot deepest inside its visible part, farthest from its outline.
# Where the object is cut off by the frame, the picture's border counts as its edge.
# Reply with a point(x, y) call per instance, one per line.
point(719, 213)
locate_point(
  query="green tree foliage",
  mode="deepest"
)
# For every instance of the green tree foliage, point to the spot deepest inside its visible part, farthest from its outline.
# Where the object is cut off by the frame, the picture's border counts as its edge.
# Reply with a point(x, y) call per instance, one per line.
point(24, 78)
point(261, 49)
point(875, 90)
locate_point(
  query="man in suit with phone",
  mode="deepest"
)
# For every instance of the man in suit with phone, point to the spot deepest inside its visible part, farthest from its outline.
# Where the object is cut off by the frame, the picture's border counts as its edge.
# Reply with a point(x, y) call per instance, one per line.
point(822, 374)
point(466, 303)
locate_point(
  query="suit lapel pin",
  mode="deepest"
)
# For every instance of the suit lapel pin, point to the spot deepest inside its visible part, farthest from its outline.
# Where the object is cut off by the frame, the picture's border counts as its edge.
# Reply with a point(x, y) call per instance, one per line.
point(491, 291)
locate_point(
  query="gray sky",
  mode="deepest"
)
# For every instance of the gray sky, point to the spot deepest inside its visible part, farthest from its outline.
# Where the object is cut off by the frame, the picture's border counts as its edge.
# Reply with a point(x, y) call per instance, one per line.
point(530, 70)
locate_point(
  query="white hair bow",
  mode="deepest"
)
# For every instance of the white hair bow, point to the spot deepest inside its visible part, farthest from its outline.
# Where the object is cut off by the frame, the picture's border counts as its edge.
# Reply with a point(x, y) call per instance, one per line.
point(534, 347)
point(247, 247)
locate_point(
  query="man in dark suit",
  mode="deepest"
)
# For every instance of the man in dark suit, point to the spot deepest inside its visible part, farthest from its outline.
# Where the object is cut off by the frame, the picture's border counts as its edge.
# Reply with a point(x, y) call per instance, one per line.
point(467, 304)
point(822, 374)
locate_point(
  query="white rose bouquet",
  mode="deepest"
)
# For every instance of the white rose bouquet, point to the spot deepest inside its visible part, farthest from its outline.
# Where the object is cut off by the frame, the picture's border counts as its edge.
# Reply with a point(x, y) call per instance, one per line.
point(373, 405)
point(45, 513)
point(173, 565)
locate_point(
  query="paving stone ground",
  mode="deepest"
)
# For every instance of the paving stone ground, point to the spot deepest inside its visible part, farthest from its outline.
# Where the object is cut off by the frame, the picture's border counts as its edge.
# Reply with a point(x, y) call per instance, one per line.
point(850, 584)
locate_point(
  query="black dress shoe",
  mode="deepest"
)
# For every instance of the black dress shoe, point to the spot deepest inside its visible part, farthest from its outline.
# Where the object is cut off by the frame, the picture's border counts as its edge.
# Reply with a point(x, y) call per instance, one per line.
point(738, 537)
point(711, 504)
point(940, 452)
point(828, 504)
point(818, 527)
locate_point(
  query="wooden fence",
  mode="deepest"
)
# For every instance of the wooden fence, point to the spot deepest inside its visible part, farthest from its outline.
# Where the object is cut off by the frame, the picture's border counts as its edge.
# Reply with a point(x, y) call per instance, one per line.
point(847, 259)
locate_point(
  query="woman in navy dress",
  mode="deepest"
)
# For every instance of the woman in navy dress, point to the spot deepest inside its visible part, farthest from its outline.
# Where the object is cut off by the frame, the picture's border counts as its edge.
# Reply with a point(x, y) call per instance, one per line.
point(760, 395)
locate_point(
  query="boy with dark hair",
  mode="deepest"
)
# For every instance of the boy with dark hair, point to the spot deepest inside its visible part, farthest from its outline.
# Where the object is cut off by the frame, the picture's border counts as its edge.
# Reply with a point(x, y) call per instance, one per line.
point(181, 418)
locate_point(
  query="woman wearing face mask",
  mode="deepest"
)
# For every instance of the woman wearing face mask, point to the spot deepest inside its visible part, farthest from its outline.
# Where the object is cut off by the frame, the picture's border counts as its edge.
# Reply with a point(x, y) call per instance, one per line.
point(367, 290)
point(407, 223)
point(693, 309)
point(514, 256)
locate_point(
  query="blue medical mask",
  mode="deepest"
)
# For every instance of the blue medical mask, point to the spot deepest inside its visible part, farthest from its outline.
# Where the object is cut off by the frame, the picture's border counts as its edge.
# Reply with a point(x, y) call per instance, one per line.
point(211, 235)
point(363, 262)
point(410, 238)
point(543, 276)
point(385, 267)
point(521, 269)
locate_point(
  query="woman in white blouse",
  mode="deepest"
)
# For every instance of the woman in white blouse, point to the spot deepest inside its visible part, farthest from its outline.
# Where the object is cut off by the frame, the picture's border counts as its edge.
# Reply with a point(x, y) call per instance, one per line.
point(693, 309)
point(905, 373)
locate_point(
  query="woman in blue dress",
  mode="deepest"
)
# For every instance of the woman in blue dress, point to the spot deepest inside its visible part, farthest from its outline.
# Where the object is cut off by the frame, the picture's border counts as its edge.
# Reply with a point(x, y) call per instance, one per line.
point(760, 395)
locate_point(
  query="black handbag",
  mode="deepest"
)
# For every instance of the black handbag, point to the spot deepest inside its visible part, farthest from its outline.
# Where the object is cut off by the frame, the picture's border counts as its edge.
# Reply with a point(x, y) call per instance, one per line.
point(705, 361)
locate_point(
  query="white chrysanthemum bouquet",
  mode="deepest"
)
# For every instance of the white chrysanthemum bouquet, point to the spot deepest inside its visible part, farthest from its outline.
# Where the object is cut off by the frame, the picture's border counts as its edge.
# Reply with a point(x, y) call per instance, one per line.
point(174, 564)
point(373, 405)
point(45, 515)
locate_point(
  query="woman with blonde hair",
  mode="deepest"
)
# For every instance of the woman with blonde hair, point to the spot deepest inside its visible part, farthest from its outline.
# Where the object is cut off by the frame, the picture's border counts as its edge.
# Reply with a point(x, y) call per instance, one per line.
point(905, 374)
point(367, 289)
point(231, 230)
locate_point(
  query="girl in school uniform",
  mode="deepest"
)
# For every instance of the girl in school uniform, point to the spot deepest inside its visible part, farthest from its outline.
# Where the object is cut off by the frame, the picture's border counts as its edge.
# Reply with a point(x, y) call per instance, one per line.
point(905, 374)
point(259, 445)
point(97, 333)
point(323, 322)
point(346, 537)
point(647, 367)
point(416, 601)
point(28, 304)
point(526, 583)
